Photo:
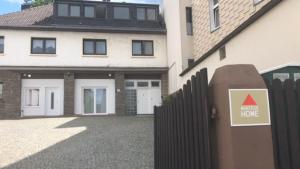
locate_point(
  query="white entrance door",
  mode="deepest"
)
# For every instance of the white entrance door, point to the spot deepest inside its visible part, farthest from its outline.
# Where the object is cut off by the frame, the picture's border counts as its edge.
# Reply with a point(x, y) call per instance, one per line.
point(143, 101)
point(94, 101)
point(53, 102)
point(155, 98)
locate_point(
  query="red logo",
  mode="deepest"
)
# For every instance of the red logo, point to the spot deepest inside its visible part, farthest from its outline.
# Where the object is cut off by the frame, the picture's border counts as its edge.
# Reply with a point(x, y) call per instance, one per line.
point(249, 101)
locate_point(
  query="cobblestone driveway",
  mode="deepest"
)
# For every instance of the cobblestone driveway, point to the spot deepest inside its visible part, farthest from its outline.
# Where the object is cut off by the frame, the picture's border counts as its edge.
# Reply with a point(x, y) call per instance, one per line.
point(77, 143)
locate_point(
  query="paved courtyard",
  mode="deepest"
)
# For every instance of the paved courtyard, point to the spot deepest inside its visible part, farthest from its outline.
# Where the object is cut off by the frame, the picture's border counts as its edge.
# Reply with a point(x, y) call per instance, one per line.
point(77, 143)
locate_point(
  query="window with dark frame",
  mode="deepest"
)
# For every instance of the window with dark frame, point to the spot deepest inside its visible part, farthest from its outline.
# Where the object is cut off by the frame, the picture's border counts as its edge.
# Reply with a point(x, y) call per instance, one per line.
point(1, 44)
point(63, 10)
point(69, 10)
point(143, 13)
point(94, 47)
point(101, 11)
point(142, 48)
point(189, 21)
point(43, 45)
point(121, 12)
point(89, 11)
point(75, 10)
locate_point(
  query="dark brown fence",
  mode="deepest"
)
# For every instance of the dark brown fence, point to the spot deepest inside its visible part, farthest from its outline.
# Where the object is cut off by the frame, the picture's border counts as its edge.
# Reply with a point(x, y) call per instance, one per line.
point(182, 128)
point(285, 111)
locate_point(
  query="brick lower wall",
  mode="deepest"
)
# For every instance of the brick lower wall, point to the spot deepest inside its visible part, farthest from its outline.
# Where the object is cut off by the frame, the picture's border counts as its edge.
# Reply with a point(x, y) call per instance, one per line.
point(69, 92)
point(120, 93)
point(10, 104)
point(164, 85)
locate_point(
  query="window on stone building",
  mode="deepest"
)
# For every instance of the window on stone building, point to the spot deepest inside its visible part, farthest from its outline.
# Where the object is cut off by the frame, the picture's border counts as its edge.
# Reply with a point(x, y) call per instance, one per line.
point(189, 21)
point(214, 14)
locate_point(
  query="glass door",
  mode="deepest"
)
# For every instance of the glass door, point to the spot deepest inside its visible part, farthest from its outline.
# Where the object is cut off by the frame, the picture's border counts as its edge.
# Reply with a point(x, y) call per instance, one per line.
point(94, 100)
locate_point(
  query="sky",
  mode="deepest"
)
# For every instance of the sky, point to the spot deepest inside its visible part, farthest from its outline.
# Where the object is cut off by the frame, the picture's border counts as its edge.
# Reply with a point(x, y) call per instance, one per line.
point(7, 6)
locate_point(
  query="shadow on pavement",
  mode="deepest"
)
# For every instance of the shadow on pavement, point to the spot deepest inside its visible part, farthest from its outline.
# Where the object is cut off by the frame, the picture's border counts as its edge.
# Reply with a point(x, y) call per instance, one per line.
point(107, 143)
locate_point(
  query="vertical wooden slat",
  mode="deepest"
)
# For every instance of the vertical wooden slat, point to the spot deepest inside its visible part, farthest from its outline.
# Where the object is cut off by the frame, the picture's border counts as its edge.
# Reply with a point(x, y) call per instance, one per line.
point(182, 126)
point(168, 141)
point(273, 122)
point(200, 120)
point(175, 128)
point(298, 103)
point(156, 138)
point(282, 131)
point(164, 127)
point(190, 125)
point(171, 131)
point(196, 123)
point(182, 131)
point(159, 138)
point(186, 135)
point(206, 118)
point(294, 135)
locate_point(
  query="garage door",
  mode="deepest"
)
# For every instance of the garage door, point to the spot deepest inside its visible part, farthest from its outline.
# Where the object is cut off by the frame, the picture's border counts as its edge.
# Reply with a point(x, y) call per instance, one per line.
point(142, 96)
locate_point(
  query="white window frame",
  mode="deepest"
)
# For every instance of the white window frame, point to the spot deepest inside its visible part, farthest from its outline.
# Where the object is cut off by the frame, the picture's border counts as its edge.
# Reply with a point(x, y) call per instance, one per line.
point(213, 18)
point(39, 96)
point(94, 88)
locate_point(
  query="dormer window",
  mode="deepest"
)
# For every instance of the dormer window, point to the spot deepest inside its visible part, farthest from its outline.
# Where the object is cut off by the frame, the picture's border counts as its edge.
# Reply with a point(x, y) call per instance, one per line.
point(63, 10)
point(75, 10)
point(146, 14)
point(121, 13)
point(89, 11)
point(101, 11)
point(68, 10)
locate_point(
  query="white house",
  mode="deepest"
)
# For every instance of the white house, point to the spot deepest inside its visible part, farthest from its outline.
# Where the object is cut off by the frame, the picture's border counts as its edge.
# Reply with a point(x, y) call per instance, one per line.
point(82, 57)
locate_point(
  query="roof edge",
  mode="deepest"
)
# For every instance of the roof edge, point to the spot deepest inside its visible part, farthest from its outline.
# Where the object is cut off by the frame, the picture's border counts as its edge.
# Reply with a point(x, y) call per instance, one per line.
point(233, 34)
point(47, 28)
point(80, 68)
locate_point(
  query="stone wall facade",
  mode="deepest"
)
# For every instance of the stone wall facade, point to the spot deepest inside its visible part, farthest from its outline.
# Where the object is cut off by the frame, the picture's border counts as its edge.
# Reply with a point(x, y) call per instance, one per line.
point(69, 92)
point(164, 85)
point(10, 103)
point(232, 14)
point(120, 93)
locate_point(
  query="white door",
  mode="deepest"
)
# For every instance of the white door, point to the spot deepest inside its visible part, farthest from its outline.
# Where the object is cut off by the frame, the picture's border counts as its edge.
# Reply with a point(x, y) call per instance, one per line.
point(94, 101)
point(53, 102)
point(143, 101)
point(155, 98)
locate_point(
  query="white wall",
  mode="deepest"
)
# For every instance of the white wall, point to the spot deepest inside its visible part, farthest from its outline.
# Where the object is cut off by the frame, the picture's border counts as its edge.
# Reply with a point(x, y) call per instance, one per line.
point(109, 84)
point(69, 50)
point(42, 84)
point(270, 42)
point(179, 45)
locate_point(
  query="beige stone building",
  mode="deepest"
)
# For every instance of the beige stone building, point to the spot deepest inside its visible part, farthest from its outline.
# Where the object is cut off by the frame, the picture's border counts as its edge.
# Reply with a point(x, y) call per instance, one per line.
point(260, 32)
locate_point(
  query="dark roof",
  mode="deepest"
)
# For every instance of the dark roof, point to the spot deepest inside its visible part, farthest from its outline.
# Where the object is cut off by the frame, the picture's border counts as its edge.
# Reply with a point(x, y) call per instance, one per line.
point(43, 18)
point(28, 17)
